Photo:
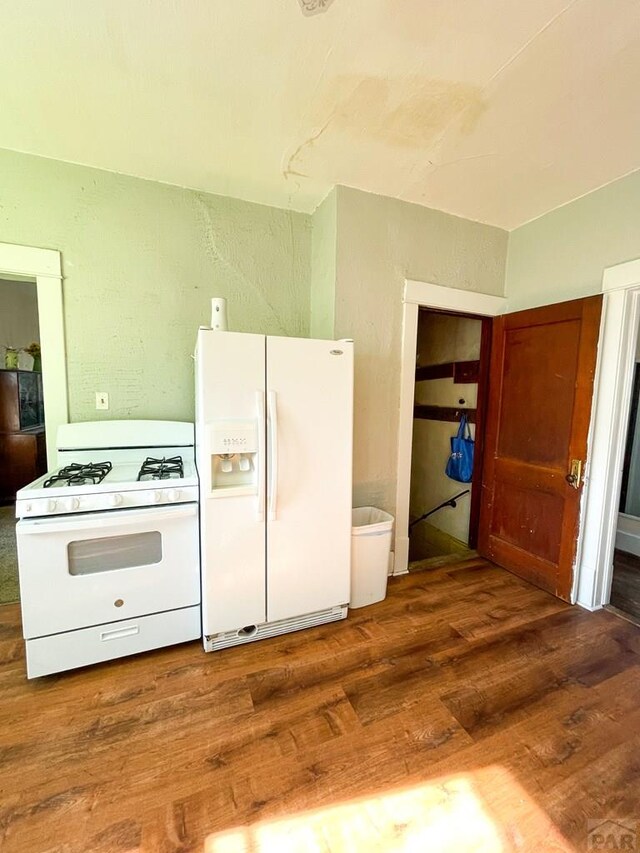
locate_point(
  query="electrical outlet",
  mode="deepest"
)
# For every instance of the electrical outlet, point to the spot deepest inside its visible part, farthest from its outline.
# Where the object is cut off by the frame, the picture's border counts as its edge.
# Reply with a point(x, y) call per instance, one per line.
point(102, 400)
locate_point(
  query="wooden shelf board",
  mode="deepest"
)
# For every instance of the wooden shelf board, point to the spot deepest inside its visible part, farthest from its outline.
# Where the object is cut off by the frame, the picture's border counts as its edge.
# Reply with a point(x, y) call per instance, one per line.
point(462, 372)
point(443, 413)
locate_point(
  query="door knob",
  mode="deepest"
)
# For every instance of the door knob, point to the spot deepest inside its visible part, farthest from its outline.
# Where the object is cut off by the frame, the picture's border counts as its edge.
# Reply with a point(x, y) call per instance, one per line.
point(573, 477)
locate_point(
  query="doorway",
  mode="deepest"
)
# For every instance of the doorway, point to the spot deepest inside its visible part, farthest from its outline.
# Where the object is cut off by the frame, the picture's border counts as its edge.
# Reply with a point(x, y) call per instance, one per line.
point(611, 408)
point(452, 360)
point(625, 582)
point(599, 505)
point(34, 400)
point(421, 294)
point(22, 419)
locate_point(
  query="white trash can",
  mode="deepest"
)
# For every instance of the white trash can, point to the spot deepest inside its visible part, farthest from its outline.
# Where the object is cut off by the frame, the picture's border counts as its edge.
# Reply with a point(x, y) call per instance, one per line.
point(370, 548)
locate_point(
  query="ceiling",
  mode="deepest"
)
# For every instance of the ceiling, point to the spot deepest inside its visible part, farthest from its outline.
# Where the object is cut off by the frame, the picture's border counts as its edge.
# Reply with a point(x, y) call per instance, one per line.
point(498, 110)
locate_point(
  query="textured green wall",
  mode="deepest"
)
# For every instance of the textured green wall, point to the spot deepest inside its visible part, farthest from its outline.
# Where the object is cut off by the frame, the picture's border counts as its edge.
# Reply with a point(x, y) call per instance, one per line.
point(382, 241)
point(141, 261)
point(323, 267)
point(563, 254)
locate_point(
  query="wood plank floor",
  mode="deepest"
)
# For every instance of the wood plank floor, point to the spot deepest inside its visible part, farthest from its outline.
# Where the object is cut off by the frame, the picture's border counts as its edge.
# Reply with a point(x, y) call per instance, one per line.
point(468, 711)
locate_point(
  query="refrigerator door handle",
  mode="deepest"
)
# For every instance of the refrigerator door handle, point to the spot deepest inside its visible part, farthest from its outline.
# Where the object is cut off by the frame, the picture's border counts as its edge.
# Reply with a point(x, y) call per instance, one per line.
point(261, 462)
point(273, 462)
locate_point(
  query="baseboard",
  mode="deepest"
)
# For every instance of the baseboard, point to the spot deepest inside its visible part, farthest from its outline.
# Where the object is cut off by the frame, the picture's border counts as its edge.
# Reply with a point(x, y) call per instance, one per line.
point(401, 556)
point(628, 533)
point(628, 542)
point(590, 607)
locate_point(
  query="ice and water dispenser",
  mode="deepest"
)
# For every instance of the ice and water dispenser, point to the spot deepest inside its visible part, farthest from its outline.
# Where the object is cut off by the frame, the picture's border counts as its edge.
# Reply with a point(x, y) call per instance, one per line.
point(234, 449)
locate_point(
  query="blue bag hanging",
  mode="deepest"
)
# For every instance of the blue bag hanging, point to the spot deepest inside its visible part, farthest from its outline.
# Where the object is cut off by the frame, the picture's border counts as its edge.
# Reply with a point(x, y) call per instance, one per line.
point(460, 463)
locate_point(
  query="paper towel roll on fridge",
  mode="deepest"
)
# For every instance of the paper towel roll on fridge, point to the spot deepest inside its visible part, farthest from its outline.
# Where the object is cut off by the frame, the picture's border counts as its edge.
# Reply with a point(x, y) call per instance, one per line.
point(219, 314)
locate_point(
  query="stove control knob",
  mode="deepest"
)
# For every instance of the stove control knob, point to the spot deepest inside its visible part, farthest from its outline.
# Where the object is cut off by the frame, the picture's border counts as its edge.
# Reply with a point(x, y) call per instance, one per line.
point(173, 495)
point(74, 503)
point(51, 505)
point(115, 500)
point(27, 507)
point(157, 497)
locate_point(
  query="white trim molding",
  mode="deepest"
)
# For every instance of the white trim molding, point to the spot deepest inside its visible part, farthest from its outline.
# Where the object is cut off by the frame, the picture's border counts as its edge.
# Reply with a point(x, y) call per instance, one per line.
point(29, 261)
point(452, 299)
point(44, 266)
point(610, 414)
point(416, 294)
point(621, 276)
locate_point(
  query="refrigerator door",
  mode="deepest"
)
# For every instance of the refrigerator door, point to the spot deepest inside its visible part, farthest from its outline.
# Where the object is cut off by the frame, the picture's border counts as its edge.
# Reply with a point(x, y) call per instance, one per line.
point(230, 377)
point(309, 459)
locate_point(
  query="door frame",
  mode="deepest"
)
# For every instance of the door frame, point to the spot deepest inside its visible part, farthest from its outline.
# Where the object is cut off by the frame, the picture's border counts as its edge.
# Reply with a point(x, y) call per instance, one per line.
point(420, 294)
point(609, 422)
point(44, 266)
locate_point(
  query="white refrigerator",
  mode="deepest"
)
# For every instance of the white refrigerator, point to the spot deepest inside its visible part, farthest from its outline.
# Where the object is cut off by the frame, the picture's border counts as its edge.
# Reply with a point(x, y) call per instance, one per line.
point(274, 425)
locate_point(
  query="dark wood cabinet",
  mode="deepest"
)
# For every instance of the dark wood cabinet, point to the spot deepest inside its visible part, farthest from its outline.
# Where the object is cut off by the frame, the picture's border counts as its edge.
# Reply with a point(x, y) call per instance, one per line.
point(22, 433)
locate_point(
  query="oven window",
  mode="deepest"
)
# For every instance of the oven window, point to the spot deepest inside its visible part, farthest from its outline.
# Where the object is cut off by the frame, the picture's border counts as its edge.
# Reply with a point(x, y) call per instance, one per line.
point(90, 556)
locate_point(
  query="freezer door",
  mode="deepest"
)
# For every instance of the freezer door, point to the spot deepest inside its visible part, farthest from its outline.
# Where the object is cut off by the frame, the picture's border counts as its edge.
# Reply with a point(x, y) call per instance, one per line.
point(309, 459)
point(230, 379)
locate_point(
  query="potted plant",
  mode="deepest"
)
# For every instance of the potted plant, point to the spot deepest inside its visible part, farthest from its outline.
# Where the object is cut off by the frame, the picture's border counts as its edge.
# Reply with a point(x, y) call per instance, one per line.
point(11, 357)
point(34, 351)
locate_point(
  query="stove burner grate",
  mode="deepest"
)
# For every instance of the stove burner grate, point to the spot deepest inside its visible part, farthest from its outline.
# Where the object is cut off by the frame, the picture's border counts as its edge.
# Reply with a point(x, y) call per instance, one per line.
point(79, 475)
point(161, 469)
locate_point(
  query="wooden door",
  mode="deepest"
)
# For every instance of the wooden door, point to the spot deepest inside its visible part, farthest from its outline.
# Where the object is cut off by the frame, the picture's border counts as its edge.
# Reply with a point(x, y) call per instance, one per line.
point(540, 389)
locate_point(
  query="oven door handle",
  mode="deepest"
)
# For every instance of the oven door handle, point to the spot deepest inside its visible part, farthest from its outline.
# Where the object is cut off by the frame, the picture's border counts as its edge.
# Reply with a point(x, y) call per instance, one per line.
point(102, 520)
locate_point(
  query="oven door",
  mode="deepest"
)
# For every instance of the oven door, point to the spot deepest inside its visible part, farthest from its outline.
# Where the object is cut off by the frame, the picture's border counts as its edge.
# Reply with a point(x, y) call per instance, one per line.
point(82, 570)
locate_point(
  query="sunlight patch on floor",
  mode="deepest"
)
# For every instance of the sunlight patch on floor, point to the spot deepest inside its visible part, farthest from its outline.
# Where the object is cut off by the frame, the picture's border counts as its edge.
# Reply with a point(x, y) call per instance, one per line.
point(485, 811)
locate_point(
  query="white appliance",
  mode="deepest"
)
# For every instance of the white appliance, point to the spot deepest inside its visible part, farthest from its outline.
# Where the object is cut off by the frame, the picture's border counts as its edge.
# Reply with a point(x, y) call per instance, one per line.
point(274, 423)
point(108, 550)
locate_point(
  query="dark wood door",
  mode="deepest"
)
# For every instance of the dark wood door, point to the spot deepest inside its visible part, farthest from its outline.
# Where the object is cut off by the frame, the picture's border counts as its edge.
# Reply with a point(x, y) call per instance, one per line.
point(540, 389)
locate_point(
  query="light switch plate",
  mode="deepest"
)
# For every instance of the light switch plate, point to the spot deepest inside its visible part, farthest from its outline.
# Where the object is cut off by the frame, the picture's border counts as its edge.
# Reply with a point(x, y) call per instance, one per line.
point(102, 400)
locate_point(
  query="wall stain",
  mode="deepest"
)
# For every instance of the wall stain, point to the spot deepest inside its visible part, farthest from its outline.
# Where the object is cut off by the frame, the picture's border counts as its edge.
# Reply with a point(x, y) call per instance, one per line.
point(406, 112)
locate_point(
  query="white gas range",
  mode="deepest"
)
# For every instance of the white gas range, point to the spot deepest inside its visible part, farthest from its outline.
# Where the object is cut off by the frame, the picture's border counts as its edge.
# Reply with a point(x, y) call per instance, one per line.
point(108, 545)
